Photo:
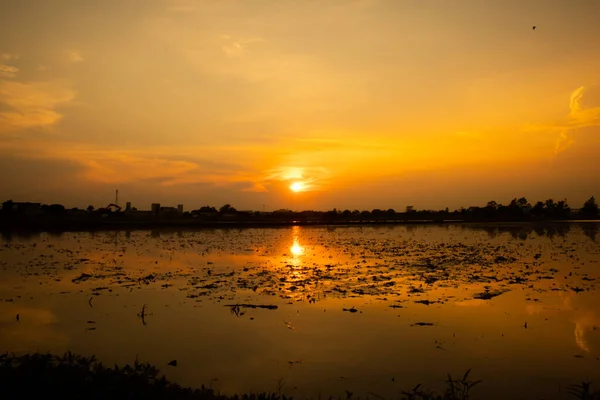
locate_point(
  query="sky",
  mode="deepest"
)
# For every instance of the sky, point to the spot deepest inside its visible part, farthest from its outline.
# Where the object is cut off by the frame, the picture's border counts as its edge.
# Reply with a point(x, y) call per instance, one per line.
point(362, 103)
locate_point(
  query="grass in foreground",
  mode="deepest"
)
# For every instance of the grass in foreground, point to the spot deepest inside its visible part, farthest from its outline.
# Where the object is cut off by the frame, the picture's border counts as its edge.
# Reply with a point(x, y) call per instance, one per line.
point(76, 377)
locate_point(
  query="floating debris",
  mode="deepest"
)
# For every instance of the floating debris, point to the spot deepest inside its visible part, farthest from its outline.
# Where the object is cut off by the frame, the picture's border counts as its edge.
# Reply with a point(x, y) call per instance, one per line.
point(82, 277)
point(265, 306)
point(426, 302)
point(488, 294)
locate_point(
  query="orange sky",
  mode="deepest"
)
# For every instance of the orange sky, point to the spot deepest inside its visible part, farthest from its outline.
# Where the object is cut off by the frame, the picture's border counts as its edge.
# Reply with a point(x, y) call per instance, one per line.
point(369, 103)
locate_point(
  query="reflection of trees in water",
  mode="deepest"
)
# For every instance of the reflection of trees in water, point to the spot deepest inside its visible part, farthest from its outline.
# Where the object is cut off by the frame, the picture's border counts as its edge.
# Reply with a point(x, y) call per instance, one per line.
point(8, 236)
point(491, 232)
point(542, 230)
point(522, 232)
point(558, 230)
point(590, 230)
point(56, 234)
point(410, 228)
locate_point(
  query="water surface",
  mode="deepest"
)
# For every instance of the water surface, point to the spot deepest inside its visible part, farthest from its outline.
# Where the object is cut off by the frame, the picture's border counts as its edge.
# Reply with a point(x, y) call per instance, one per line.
point(363, 309)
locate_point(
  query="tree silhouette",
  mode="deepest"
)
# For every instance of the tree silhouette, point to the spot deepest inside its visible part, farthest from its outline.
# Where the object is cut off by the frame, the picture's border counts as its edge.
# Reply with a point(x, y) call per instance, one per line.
point(562, 210)
point(7, 206)
point(538, 209)
point(227, 209)
point(492, 205)
point(549, 208)
point(590, 209)
point(523, 203)
point(207, 209)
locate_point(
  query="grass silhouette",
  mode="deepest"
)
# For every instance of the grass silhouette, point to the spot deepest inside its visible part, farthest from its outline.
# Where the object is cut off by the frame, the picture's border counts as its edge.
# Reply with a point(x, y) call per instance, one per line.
point(76, 377)
point(73, 376)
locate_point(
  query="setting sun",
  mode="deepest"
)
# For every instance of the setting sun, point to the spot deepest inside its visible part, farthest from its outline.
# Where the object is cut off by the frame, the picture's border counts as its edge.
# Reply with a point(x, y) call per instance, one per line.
point(297, 187)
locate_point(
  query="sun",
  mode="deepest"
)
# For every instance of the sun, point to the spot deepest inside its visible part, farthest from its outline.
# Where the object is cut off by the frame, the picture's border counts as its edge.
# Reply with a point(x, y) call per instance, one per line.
point(297, 187)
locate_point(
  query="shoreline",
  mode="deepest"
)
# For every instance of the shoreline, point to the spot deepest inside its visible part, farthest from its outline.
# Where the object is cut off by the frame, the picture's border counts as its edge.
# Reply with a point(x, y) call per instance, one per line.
point(129, 225)
point(76, 376)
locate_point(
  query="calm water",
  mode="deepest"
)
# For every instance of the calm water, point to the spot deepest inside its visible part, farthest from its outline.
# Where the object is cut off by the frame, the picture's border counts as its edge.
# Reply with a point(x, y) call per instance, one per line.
point(364, 309)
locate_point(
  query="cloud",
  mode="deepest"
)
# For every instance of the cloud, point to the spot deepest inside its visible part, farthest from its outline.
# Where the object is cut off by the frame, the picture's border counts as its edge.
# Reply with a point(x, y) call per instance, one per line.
point(74, 56)
point(32, 104)
point(584, 105)
point(112, 167)
point(8, 56)
point(165, 166)
point(312, 178)
point(236, 47)
point(7, 71)
point(581, 116)
point(576, 100)
point(563, 142)
point(256, 187)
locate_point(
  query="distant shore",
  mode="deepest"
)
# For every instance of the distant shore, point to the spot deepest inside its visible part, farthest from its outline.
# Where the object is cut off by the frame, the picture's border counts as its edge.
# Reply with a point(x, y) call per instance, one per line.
point(187, 223)
point(111, 225)
point(26, 216)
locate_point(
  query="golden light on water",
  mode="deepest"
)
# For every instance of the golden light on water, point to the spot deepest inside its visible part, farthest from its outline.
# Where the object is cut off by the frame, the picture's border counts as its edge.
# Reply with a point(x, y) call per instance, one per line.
point(296, 249)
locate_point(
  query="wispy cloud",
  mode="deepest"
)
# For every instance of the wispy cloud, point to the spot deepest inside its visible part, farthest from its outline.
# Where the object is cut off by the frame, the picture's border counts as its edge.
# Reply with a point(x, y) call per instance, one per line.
point(575, 103)
point(585, 115)
point(579, 117)
point(584, 106)
point(161, 166)
point(8, 56)
point(74, 56)
point(257, 188)
point(312, 178)
point(31, 104)
point(8, 71)
point(236, 47)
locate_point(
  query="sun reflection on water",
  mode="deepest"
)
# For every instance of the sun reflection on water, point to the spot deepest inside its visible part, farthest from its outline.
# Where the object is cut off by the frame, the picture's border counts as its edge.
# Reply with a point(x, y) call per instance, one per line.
point(297, 249)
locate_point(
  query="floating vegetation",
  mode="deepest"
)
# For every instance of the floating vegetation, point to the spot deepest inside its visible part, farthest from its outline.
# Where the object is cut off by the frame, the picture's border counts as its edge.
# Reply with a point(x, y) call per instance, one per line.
point(404, 279)
point(488, 294)
point(422, 324)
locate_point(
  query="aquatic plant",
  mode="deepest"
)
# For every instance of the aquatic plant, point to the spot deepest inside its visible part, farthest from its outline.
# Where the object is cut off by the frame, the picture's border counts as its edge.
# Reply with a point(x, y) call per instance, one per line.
point(72, 376)
point(456, 389)
point(584, 391)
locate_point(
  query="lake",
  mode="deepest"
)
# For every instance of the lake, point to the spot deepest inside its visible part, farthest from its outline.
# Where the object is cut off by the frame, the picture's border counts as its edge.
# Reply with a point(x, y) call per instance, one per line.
point(317, 311)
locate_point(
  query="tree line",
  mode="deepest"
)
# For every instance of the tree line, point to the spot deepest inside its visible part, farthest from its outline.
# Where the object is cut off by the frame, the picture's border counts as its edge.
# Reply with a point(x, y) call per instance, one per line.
point(519, 209)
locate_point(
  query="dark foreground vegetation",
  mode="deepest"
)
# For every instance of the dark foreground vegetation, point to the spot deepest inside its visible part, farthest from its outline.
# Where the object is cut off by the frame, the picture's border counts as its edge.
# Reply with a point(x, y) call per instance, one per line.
point(16, 215)
point(76, 377)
